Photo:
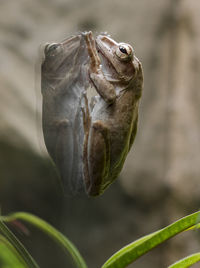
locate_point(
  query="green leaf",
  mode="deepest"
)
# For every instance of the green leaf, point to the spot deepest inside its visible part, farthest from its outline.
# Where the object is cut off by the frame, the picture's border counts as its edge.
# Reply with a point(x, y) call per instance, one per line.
point(133, 251)
point(9, 257)
point(52, 232)
point(28, 260)
point(186, 262)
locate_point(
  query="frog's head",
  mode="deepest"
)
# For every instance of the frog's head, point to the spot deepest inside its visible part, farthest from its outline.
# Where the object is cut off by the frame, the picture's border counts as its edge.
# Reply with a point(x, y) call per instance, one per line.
point(59, 58)
point(119, 56)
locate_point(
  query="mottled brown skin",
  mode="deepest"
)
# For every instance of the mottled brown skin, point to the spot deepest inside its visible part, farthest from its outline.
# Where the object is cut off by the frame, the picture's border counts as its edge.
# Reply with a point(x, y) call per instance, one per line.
point(112, 123)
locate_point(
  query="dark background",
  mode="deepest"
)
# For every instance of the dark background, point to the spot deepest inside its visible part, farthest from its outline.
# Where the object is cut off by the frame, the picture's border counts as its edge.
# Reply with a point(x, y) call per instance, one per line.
point(160, 180)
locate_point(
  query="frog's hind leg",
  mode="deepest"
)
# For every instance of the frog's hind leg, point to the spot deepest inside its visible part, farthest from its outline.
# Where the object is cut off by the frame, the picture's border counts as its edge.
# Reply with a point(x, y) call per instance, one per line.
point(98, 158)
point(133, 133)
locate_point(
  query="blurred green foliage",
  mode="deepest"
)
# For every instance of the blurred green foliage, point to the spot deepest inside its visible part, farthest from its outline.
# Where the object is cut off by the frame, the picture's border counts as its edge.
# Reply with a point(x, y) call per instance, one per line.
point(14, 255)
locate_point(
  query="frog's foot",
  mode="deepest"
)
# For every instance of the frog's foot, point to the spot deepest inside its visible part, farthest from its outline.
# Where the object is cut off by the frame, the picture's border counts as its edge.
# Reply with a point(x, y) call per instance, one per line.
point(98, 162)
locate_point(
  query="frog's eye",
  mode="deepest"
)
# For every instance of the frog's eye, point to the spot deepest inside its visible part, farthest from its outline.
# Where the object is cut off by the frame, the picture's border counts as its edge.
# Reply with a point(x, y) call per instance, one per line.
point(52, 49)
point(124, 52)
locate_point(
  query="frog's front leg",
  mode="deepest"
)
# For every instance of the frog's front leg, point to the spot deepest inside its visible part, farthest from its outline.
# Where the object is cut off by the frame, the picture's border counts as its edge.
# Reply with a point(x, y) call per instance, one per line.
point(98, 158)
point(105, 89)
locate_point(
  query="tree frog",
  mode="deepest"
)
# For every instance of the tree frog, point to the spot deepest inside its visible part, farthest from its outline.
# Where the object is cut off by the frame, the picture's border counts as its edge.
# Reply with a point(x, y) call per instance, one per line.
point(110, 124)
point(89, 138)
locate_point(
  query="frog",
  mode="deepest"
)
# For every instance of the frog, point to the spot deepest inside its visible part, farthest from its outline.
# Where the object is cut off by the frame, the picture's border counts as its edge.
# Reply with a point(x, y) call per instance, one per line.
point(88, 139)
point(62, 86)
point(110, 119)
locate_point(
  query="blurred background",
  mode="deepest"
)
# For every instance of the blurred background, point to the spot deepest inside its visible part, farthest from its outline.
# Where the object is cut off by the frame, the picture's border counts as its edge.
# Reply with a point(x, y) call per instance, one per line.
point(160, 180)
